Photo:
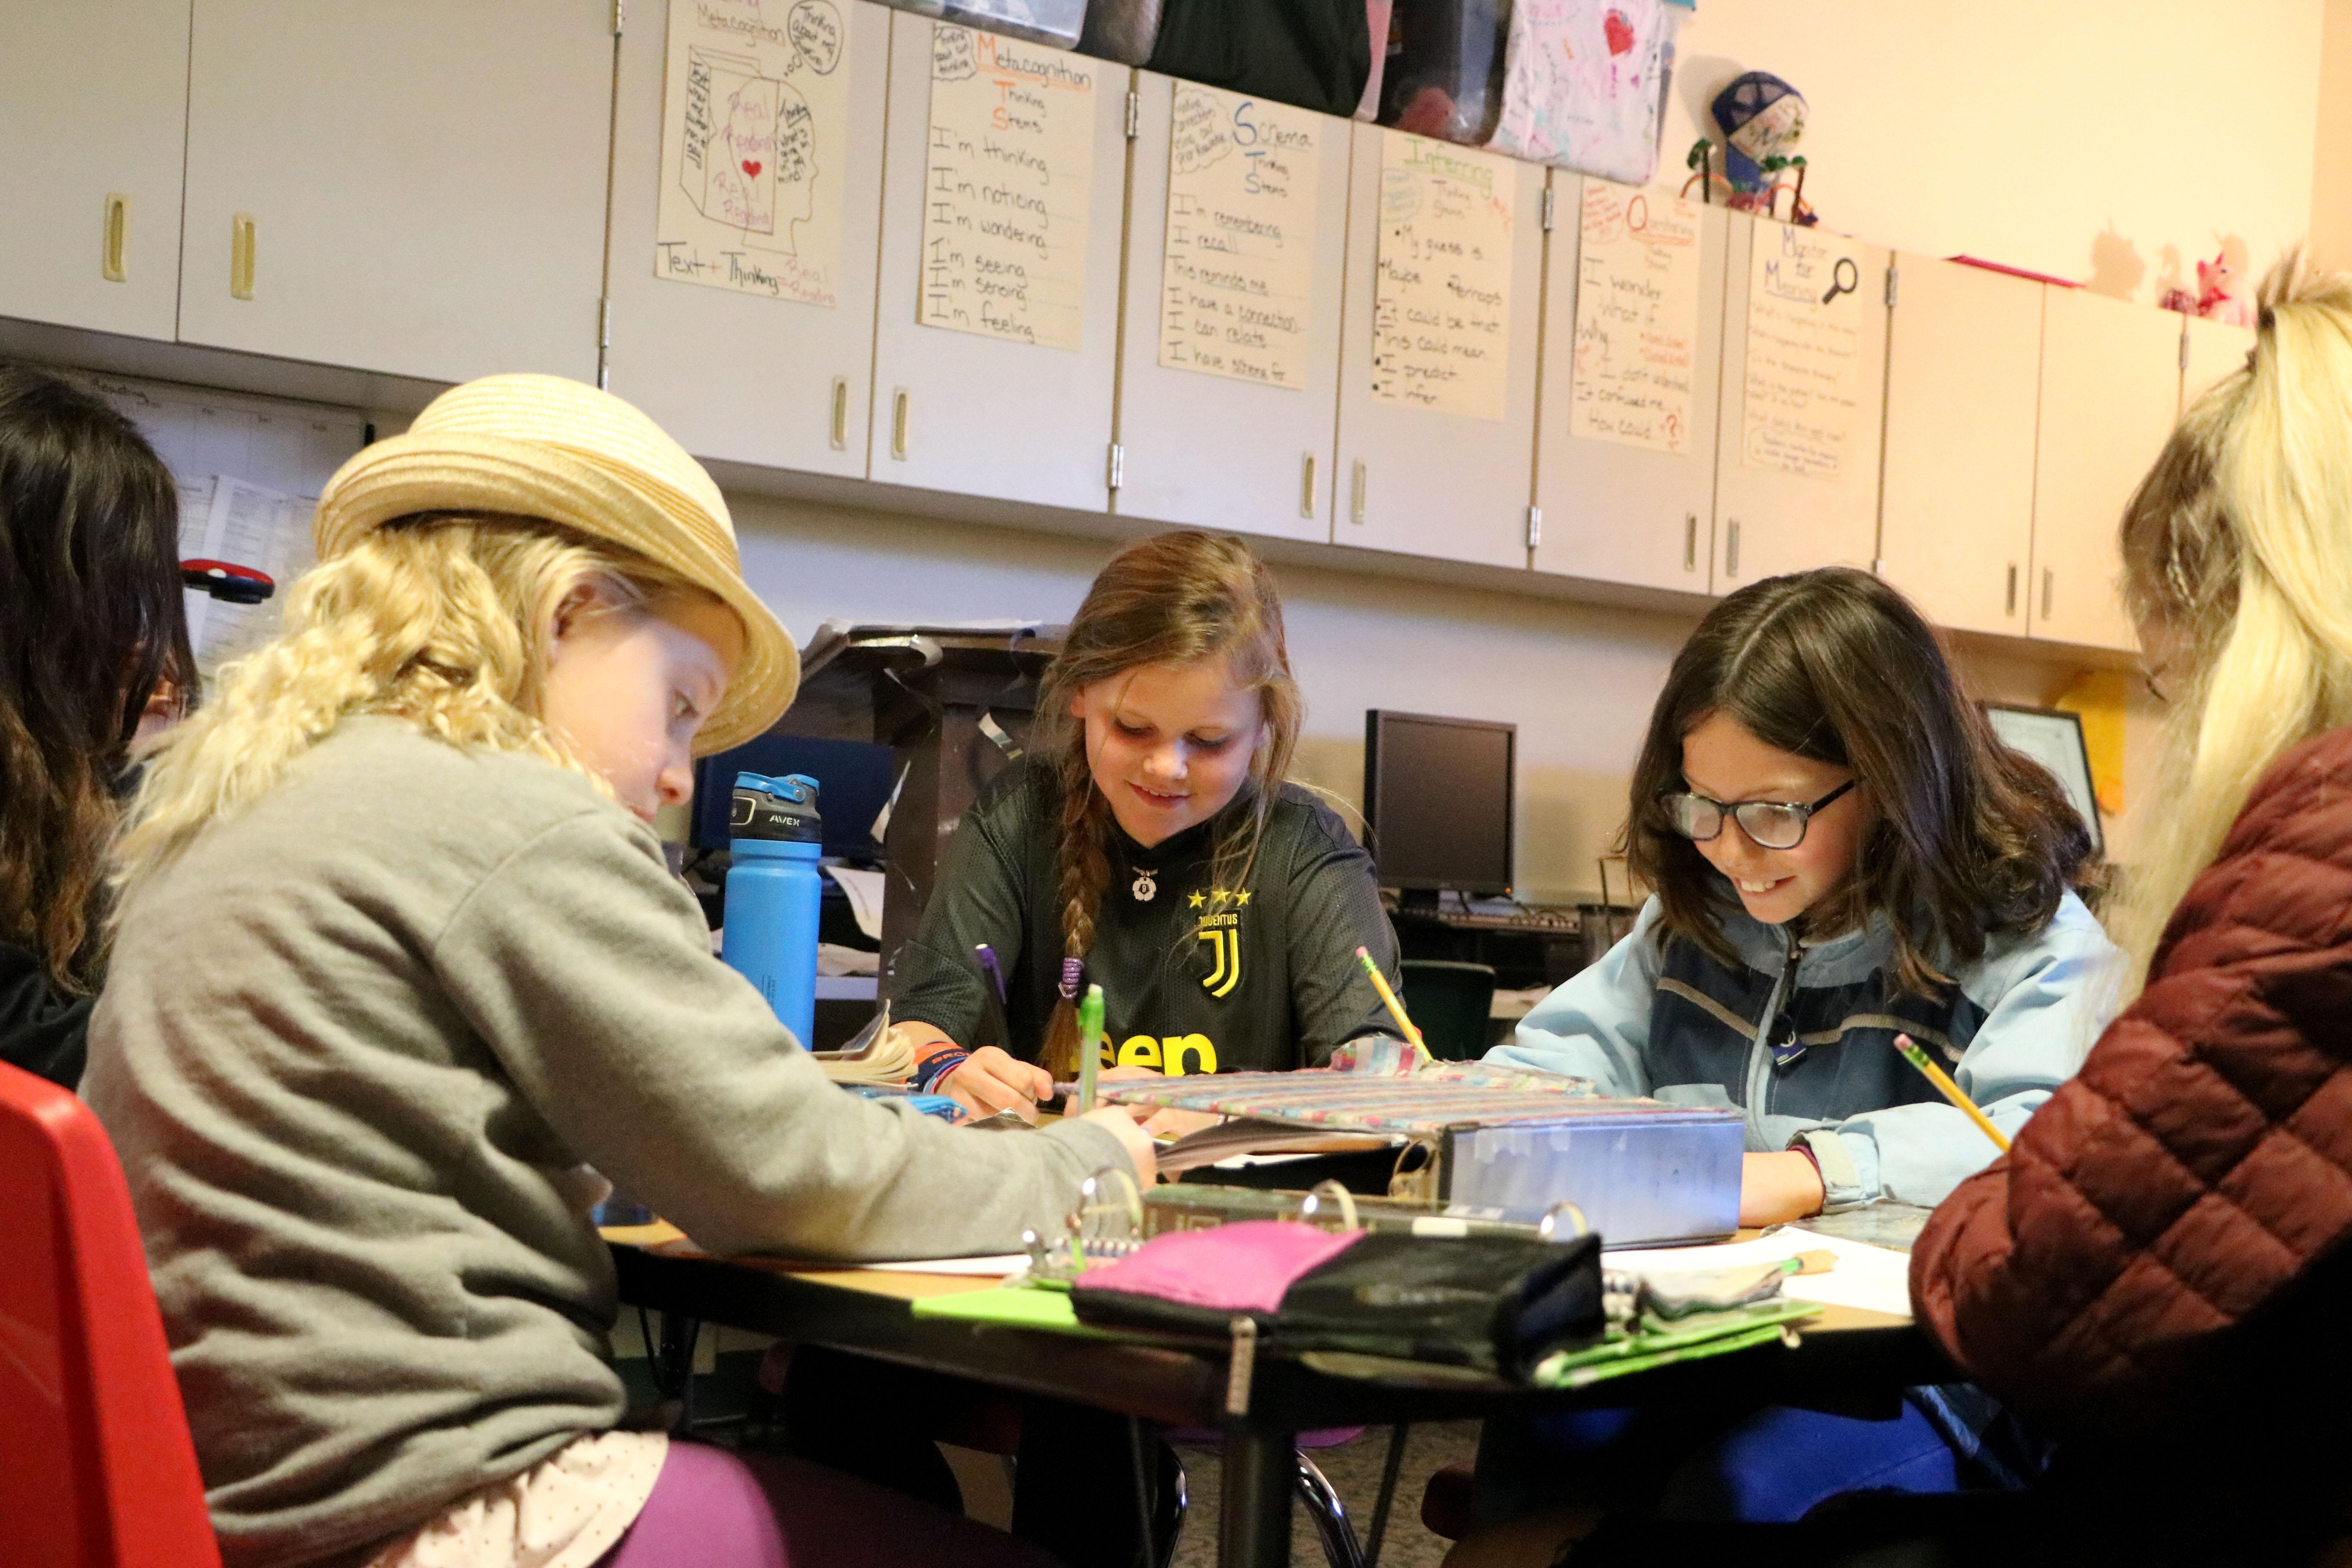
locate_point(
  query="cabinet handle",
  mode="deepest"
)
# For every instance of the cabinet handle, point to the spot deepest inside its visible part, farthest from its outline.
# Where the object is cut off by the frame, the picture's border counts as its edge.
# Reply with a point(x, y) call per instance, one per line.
point(2010, 607)
point(1690, 541)
point(118, 233)
point(840, 412)
point(1355, 489)
point(240, 256)
point(2049, 578)
point(1306, 484)
point(1731, 550)
point(899, 424)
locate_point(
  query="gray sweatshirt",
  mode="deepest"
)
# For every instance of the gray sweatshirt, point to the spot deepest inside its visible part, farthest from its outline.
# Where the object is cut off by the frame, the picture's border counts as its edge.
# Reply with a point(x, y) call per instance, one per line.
point(358, 1046)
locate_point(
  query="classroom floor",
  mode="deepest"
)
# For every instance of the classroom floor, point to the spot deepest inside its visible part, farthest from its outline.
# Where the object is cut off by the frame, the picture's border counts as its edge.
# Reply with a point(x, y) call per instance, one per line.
point(1353, 1468)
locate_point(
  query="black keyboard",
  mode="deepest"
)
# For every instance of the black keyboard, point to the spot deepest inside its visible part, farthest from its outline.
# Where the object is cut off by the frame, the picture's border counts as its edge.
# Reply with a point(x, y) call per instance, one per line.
point(1540, 922)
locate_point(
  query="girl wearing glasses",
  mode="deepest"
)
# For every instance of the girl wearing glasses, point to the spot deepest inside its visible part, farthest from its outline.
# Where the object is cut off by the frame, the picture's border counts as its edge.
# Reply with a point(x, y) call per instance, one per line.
point(1842, 851)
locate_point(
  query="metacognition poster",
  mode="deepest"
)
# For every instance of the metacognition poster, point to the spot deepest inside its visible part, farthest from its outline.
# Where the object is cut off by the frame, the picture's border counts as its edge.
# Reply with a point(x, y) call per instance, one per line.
point(1442, 292)
point(1237, 271)
point(1804, 381)
point(755, 131)
point(1009, 178)
point(1636, 318)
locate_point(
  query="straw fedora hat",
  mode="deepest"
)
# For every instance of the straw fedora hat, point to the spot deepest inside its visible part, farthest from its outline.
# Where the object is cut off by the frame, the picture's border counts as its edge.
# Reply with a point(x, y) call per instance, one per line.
point(541, 446)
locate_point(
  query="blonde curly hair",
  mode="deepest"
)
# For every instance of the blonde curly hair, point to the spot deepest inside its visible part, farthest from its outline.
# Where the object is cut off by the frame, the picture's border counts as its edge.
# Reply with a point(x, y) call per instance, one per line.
point(443, 620)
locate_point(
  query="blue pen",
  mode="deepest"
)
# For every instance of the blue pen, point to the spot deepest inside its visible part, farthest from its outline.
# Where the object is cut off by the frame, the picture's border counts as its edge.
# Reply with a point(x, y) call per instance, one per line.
point(988, 966)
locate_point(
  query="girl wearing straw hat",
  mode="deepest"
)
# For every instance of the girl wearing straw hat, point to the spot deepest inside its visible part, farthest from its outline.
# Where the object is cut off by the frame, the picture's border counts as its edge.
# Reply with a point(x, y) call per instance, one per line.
point(399, 967)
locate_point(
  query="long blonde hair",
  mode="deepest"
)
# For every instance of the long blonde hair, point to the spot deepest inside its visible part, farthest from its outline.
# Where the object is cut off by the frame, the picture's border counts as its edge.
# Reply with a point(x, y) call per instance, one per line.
point(1173, 598)
point(2240, 543)
point(442, 619)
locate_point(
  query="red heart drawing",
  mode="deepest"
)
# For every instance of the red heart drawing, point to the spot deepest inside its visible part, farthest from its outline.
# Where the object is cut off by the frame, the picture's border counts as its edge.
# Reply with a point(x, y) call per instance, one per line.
point(751, 167)
point(1620, 31)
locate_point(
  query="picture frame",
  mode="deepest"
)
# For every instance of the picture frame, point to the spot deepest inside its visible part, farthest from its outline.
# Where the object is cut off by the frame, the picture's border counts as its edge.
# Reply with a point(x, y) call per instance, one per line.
point(2054, 739)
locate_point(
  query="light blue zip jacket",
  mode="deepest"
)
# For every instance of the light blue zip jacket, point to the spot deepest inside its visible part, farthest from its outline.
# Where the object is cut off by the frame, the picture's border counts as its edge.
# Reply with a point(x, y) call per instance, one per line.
point(1806, 1050)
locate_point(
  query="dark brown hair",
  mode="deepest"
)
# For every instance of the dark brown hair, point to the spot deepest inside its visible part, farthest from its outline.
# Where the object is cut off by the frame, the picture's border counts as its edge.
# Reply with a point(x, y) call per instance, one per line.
point(1174, 598)
point(1965, 838)
point(91, 620)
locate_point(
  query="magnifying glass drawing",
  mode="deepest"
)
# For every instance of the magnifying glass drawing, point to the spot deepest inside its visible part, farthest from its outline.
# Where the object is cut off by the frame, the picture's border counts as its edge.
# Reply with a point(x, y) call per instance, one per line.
point(1843, 278)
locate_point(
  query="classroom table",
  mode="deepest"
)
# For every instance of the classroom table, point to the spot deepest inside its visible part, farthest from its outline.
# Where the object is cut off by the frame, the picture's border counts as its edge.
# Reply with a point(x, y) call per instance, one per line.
point(1845, 1359)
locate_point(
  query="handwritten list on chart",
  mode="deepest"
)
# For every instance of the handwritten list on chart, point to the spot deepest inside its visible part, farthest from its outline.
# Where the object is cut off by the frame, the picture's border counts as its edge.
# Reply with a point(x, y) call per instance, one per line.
point(1237, 273)
point(1010, 170)
point(1442, 291)
point(1803, 381)
point(1636, 318)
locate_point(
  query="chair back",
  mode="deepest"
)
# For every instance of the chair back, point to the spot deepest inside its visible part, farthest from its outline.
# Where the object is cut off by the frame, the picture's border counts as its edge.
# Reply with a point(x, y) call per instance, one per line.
point(1449, 1004)
point(97, 1469)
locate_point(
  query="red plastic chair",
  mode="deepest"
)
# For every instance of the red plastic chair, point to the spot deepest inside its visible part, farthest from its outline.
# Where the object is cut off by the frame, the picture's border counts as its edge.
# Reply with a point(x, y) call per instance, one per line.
point(96, 1467)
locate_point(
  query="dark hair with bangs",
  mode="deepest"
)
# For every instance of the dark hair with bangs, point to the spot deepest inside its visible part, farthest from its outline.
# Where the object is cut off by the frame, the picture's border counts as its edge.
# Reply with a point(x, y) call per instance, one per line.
point(91, 620)
point(1965, 837)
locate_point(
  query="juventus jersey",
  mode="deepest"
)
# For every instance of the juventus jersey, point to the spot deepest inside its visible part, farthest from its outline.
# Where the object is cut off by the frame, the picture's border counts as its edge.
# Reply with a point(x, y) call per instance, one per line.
point(1196, 976)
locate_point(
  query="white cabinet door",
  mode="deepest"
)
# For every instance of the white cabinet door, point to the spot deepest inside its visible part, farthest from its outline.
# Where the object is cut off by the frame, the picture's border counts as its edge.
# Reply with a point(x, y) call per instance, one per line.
point(414, 188)
point(1253, 285)
point(93, 118)
point(1630, 510)
point(768, 373)
point(1418, 479)
point(1963, 372)
point(2210, 350)
point(2110, 393)
point(1804, 369)
point(989, 415)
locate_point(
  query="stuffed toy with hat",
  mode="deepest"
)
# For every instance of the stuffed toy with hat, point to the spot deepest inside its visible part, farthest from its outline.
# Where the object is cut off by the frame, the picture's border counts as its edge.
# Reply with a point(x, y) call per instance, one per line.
point(1762, 119)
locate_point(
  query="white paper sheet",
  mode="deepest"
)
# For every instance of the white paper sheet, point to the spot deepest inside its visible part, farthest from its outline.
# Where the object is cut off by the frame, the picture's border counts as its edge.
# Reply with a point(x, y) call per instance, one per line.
point(1636, 318)
point(245, 525)
point(1008, 185)
point(1806, 295)
point(1875, 1279)
point(995, 1267)
point(755, 131)
point(1442, 291)
point(865, 891)
point(1237, 270)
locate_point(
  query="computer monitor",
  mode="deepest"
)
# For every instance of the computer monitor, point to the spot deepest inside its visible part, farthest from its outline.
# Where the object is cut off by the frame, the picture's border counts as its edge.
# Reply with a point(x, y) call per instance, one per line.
point(1438, 804)
point(854, 778)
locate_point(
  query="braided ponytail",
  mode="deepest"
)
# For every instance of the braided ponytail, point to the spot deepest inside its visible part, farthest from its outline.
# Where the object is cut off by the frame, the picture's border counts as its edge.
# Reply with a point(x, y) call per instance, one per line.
point(1174, 598)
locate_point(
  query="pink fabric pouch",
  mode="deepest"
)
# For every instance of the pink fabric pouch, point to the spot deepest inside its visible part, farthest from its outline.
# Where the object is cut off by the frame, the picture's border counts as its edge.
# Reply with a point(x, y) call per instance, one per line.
point(1243, 1267)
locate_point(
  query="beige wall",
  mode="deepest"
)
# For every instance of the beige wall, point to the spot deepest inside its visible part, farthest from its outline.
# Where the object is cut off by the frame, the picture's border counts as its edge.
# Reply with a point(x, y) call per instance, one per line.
point(2331, 171)
point(2113, 141)
point(1578, 679)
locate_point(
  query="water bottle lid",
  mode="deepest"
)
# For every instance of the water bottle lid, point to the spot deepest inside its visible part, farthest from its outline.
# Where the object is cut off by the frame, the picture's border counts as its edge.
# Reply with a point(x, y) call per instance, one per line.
point(776, 809)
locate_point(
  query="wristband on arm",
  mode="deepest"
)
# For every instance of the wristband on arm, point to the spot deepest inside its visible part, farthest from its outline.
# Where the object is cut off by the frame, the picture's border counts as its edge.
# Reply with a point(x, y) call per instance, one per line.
point(937, 1060)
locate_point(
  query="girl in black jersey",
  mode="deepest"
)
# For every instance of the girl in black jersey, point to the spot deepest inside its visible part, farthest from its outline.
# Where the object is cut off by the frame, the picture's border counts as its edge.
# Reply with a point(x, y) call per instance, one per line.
point(1150, 845)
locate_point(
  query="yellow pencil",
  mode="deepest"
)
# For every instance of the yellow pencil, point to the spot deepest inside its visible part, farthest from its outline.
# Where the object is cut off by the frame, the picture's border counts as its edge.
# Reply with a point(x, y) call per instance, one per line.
point(1396, 1008)
point(1948, 1089)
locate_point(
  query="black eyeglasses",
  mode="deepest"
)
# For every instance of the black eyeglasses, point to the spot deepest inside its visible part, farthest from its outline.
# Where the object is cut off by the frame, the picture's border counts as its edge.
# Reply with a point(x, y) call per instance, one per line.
point(1772, 823)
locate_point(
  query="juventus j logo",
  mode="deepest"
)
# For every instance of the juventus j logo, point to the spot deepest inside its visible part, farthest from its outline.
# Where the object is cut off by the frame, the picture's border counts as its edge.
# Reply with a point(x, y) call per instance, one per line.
point(1225, 949)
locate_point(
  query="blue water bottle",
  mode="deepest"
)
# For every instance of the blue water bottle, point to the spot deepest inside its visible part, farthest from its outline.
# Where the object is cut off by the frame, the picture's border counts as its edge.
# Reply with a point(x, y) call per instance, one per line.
point(773, 893)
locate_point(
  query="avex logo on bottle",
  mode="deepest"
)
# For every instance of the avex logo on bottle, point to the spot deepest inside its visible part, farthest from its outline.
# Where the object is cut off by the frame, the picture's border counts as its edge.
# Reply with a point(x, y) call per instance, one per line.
point(1220, 923)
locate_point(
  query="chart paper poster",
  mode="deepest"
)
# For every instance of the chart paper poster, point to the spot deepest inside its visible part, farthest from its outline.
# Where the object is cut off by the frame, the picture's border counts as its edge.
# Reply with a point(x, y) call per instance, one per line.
point(1008, 175)
point(1636, 318)
point(1804, 352)
point(755, 125)
point(1237, 277)
point(1442, 289)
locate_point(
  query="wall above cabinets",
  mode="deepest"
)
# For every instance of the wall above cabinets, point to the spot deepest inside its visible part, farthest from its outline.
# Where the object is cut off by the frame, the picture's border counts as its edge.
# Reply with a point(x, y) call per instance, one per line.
point(903, 266)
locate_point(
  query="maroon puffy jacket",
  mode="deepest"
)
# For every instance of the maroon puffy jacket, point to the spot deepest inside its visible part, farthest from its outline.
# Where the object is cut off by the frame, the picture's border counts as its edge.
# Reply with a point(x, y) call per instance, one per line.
point(2197, 1173)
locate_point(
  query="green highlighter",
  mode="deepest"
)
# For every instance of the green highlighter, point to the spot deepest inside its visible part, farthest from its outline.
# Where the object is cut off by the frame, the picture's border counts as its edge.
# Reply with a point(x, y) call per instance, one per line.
point(1090, 1035)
